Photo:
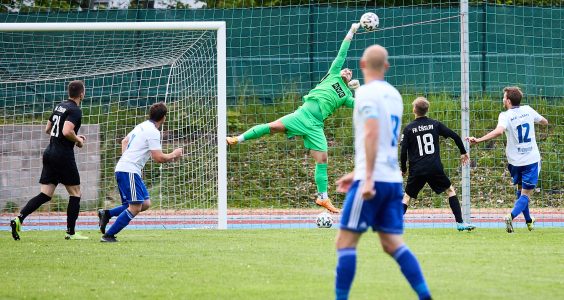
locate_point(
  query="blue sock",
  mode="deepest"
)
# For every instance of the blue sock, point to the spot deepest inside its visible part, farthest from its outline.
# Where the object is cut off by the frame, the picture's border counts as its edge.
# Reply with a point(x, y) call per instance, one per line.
point(124, 218)
point(526, 212)
point(116, 211)
point(412, 271)
point(346, 267)
point(520, 205)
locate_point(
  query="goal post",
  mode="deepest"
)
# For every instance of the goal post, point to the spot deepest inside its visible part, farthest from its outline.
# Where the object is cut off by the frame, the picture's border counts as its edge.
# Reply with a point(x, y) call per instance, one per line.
point(126, 67)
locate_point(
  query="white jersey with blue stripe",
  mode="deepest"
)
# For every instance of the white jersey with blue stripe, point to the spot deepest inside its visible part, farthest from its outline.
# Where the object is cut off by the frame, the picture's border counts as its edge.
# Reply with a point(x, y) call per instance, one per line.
point(142, 139)
point(519, 123)
point(379, 100)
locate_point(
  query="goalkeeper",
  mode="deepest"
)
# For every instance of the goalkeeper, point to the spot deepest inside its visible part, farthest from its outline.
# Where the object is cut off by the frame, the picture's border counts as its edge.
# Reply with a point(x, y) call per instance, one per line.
point(307, 121)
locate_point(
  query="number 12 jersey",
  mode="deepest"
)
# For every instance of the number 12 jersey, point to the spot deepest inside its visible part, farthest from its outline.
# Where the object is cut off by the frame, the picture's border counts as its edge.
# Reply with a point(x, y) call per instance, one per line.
point(519, 123)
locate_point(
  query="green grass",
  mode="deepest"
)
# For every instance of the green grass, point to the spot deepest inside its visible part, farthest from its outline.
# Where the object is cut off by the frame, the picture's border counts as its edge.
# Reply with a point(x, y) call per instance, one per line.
point(277, 264)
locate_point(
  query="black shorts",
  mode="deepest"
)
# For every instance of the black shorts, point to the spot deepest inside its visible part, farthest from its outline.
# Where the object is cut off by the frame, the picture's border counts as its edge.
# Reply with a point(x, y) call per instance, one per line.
point(438, 182)
point(59, 168)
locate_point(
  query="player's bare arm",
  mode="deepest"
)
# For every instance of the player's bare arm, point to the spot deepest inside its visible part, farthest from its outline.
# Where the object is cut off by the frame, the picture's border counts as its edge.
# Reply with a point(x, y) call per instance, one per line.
point(48, 127)
point(124, 143)
point(543, 121)
point(160, 157)
point(344, 183)
point(371, 136)
point(491, 135)
point(68, 132)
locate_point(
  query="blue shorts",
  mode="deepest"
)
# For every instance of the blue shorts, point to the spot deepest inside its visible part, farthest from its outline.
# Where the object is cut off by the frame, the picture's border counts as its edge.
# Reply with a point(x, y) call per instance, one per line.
point(384, 212)
point(131, 188)
point(526, 176)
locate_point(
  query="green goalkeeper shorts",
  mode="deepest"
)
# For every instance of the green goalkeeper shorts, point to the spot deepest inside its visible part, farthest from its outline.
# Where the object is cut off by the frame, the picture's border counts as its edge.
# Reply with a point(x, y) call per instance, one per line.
point(303, 123)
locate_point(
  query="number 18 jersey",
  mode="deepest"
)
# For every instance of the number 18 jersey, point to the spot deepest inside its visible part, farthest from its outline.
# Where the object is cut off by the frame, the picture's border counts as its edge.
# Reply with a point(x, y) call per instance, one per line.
point(519, 123)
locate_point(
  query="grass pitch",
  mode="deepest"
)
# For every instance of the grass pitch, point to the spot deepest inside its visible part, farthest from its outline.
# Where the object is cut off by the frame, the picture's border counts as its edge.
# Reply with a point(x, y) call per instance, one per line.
point(277, 264)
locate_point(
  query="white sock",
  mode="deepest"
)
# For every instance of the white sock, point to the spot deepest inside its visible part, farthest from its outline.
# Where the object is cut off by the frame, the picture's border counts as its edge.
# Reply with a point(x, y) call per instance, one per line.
point(323, 195)
point(240, 138)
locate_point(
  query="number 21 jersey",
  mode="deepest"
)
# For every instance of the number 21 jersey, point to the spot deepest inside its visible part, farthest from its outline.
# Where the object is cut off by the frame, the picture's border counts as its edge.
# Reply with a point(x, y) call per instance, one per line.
point(64, 111)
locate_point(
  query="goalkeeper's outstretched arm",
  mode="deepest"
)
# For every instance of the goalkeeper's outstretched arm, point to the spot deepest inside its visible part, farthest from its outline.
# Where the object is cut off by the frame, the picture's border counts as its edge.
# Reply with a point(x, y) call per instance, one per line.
point(342, 55)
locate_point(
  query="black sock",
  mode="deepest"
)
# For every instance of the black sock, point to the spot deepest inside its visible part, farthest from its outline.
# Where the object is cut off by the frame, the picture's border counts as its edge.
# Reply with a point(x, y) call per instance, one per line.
point(455, 207)
point(72, 213)
point(32, 205)
point(404, 208)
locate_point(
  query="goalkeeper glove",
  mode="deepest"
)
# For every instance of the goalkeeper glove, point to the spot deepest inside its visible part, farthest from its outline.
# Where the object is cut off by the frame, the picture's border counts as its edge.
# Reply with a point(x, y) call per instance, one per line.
point(352, 31)
point(354, 84)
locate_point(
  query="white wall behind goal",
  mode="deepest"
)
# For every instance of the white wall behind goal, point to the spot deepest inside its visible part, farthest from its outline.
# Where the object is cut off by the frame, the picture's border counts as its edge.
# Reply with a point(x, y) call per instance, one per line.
point(21, 150)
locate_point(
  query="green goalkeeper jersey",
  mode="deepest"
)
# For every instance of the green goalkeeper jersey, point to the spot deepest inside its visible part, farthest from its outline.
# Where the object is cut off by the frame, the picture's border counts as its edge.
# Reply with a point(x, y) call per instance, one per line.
point(332, 92)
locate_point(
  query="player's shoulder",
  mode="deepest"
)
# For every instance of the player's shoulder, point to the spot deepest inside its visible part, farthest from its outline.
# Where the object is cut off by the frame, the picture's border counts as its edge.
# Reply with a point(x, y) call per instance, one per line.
point(410, 125)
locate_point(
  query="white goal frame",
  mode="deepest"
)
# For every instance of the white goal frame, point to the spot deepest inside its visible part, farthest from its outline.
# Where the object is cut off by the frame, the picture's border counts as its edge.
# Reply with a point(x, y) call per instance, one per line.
point(218, 26)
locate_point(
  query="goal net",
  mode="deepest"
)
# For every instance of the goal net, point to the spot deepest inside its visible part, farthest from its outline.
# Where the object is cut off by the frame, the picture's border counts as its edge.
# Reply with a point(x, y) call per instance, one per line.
point(126, 67)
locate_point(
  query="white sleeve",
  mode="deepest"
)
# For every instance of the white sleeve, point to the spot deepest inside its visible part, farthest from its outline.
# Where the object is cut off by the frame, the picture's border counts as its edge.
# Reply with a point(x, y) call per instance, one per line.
point(502, 120)
point(367, 105)
point(536, 116)
point(154, 140)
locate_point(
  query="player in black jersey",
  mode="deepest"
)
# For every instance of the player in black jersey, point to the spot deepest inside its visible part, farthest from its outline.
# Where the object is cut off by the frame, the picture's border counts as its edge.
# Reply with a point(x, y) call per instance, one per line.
point(420, 141)
point(59, 165)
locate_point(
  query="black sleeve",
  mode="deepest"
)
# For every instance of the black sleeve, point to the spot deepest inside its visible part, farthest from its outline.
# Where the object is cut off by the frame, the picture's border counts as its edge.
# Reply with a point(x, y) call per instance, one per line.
point(403, 156)
point(448, 133)
point(74, 116)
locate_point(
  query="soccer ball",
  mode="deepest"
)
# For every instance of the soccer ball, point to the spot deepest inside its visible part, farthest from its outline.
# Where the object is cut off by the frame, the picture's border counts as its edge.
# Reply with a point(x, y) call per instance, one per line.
point(324, 220)
point(369, 21)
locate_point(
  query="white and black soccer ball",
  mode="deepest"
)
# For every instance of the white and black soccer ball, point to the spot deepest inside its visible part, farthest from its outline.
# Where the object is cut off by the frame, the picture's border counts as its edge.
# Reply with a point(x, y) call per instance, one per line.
point(369, 21)
point(324, 220)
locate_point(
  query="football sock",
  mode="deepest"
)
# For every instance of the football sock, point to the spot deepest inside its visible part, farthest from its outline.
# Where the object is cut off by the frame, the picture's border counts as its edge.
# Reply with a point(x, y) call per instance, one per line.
point(321, 177)
point(404, 208)
point(255, 132)
point(526, 212)
point(412, 271)
point(116, 211)
point(520, 205)
point(455, 207)
point(346, 267)
point(32, 205)
point(123, 219)
point(72, 213)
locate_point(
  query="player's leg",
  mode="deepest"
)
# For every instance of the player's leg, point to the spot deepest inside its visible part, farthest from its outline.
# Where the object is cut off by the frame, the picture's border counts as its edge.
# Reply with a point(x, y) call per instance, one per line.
point(133, 190)
point(346, 243)
point(409, 265)
point(105, 215)
point(314, 139)
point(527, 177)
point(73, 210)
point(388, 222)
point(352, 226)
point(405, 202)
point(413, 186)
point(457, 211)
point(45, 194)
point(258, 131)
point(70, 177)
point(529, 220)
point(321, 179)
